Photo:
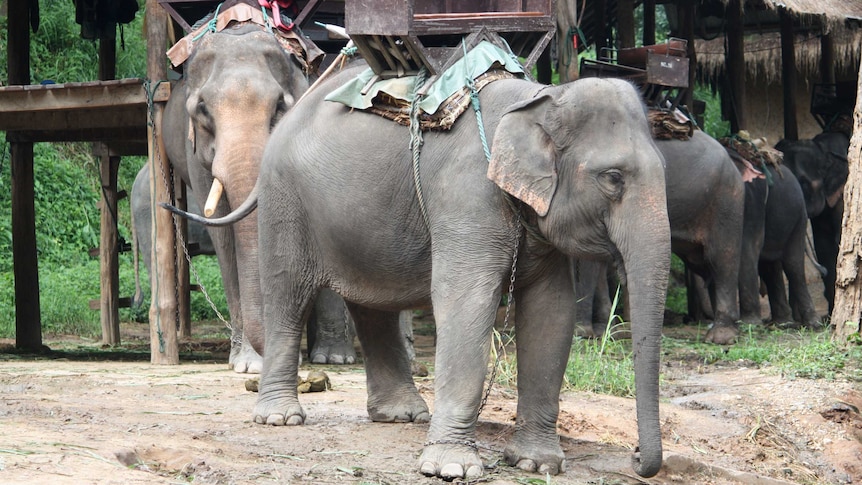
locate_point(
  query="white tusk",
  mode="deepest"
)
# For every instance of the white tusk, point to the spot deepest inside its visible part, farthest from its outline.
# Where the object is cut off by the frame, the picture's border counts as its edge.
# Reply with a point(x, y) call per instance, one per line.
point(212, 200)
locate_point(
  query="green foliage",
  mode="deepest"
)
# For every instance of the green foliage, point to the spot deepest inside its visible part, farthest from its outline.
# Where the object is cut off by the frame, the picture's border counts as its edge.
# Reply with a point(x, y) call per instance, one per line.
point(677, 295)
point(59, 54)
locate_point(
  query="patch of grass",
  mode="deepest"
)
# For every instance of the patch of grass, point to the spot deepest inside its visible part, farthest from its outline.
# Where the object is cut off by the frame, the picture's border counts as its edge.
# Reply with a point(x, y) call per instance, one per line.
point(602, 365)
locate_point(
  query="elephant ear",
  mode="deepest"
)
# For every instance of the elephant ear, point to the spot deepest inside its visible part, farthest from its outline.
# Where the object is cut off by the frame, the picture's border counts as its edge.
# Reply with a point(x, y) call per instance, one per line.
point(523, 158)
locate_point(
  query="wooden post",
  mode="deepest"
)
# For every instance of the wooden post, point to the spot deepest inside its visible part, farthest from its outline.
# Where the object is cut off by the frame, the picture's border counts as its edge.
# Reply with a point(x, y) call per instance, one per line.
point(847, 311)
point(649, 22)
point(183, 285)
point(686, 13)
point(109, 251)
point(788, 74)
point(109, 254)
point(735, 60)
point(600, 16)
point(827, 59)
point(625, 23)
point(163, 309)
point(28, 318)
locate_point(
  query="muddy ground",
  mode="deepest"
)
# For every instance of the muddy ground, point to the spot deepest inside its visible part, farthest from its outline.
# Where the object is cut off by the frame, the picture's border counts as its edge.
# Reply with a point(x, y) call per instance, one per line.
point(88, 415)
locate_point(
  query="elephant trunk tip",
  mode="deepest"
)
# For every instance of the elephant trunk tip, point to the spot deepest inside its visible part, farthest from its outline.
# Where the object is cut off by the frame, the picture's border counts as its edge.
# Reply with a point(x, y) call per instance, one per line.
point(647, 465)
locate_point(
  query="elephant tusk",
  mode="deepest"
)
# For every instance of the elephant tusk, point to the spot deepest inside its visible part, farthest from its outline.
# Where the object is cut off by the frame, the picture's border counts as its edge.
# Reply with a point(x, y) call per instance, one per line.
point(212, 200)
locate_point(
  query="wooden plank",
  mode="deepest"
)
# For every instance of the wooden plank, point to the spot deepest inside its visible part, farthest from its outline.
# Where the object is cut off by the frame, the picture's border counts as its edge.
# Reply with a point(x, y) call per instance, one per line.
point(74, 96)
point(72, 121)
point(28, 325)
point(788, 74)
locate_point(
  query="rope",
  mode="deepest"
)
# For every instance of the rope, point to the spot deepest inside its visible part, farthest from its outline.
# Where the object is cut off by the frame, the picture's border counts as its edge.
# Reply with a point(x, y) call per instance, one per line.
point(416, 140)
point(212, 25)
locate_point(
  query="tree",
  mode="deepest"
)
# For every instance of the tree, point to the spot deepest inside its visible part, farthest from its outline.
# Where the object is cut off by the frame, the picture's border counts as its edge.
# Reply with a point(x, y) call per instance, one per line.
point(847, 312)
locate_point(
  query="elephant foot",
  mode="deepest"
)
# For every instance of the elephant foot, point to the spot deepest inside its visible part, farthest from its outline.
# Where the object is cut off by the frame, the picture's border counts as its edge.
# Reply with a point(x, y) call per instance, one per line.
point(278, 412)
point(333, 353)
point(246, 360)
point(537, 457)
point(722, 334)
point(450, 460)
point(408, 410)
point(751, 319)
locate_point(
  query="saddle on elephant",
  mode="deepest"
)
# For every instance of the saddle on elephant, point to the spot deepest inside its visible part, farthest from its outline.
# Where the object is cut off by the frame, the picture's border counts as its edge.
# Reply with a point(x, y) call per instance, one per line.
point(443, 101)
point(755, 162)
point(267, 15)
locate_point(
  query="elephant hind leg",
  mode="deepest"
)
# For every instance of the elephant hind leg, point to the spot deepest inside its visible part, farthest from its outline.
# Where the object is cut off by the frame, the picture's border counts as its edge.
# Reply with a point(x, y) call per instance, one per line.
point(773, 276)
point(392, 395)
point(330, 331)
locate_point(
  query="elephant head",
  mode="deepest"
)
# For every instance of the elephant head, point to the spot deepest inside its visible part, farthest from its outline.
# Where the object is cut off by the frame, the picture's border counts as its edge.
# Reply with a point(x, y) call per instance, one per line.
point(821, 167)
point(595, 199)
point(237, 84)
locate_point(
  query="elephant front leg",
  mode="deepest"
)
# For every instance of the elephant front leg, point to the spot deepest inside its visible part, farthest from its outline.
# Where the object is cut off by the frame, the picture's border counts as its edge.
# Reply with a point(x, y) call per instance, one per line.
point(465, 315)
point(543, 335)
point(277, 400)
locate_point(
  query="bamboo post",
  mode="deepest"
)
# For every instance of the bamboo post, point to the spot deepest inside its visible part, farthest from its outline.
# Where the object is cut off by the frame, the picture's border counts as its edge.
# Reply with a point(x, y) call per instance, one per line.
point(163, 309)
point(847, 311)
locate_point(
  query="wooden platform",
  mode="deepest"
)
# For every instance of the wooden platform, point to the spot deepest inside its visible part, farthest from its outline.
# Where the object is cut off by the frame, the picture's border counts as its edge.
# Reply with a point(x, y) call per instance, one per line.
point(113, 112)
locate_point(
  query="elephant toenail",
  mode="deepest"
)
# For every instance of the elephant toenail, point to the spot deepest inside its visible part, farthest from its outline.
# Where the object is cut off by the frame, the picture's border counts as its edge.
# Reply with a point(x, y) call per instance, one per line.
point(527, 465)
point(428, 469)
point(452, 470)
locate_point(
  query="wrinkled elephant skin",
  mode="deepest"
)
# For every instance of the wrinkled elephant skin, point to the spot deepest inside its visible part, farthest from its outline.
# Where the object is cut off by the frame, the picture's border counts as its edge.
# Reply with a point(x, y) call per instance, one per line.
point(337, 208)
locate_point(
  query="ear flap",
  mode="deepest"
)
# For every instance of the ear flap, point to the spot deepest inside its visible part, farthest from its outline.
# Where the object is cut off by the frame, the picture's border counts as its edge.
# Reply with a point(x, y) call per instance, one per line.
point(523, 158)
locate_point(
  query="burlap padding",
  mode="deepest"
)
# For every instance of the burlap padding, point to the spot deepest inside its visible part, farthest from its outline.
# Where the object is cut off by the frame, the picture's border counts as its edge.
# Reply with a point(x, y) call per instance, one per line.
point(760, 158)
point(398, 110)
point(666, 125)
point(237, 12)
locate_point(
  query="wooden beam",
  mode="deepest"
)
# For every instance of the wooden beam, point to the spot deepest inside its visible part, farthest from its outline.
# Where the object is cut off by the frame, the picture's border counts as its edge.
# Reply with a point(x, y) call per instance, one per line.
point(736, 64)
point(649, 22)
point(28, 324)
point(788, 74)
point(75, 96)
point(827, 59)
point(626, 23)
point(163, 308)
point(686, 14)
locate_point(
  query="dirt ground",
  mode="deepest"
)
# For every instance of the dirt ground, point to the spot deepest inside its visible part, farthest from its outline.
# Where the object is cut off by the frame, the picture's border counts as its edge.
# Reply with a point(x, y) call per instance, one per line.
point(82, 417)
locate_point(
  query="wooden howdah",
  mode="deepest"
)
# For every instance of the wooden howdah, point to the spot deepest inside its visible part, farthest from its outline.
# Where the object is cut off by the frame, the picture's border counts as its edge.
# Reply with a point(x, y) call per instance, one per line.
point(399, 37)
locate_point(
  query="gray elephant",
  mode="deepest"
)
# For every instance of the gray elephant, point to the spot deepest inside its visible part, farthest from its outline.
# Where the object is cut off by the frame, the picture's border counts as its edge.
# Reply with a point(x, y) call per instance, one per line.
point(774, 239)
point(588, 181)
point(237, 83)
point(706, 199)
point(821, 167)
point(330, 329)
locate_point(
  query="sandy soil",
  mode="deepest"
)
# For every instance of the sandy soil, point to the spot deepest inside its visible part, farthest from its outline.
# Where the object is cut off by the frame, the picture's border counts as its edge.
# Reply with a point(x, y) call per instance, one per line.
point(95, 417)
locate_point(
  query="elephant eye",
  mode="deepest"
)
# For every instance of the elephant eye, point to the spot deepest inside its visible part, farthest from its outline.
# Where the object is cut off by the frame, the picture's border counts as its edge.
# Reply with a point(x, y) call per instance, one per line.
point(280, 109)
point(612, 182)
point(204, 117)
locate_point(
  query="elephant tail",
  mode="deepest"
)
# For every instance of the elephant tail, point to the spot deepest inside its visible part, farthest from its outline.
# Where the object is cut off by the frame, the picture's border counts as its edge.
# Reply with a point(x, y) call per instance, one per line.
point(238, 214)
point(138, 298)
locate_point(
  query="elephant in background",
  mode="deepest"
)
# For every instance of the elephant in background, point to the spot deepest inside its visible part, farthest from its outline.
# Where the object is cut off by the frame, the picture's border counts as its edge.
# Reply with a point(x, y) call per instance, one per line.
point(706, 200)
point(580, 162)
point(237, 83)
point(820, 165)
point(774, 240)
point(330, 329)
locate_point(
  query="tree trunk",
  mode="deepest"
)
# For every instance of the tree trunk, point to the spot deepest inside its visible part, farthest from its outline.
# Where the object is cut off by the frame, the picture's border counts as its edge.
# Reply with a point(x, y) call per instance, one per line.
point(847, 311)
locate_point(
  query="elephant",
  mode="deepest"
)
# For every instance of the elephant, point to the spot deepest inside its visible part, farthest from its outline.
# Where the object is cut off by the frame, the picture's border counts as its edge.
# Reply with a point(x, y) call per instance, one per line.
point(330, 329)
point(706, 201)
point(237, 83)
point(774, 240)
point(338, 207)
point(820, 165)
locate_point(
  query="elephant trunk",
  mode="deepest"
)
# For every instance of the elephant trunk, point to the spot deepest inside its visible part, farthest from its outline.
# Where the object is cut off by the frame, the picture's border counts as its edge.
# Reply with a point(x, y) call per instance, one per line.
point(647, 274)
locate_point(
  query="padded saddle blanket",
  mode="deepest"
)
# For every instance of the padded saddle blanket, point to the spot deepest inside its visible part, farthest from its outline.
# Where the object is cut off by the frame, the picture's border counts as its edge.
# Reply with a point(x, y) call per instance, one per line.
point(668, 125)
point(445, 100)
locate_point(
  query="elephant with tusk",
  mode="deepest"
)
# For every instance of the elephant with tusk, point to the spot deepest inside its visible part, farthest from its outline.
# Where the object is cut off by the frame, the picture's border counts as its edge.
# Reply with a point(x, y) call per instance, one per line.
point(237, 83)
point(337, 208)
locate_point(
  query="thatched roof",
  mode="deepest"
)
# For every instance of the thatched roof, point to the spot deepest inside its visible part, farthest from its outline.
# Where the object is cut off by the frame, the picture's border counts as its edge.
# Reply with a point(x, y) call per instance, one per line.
point(834, 10)
point(763, 53)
